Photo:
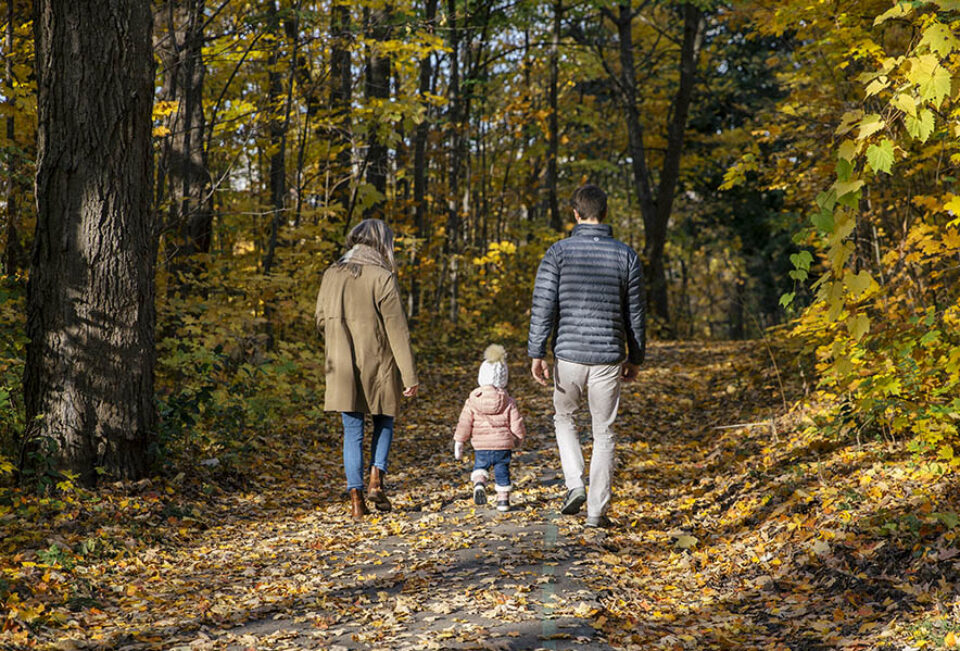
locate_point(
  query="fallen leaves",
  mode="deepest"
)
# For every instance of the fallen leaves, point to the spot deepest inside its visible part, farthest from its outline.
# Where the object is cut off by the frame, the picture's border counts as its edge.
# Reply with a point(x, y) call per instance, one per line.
point(728, 540)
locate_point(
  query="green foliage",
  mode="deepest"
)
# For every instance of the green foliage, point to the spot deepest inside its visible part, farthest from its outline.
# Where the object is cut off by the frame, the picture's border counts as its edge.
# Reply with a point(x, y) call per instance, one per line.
point(888, 344)
point(227, 403)
point(12, 353)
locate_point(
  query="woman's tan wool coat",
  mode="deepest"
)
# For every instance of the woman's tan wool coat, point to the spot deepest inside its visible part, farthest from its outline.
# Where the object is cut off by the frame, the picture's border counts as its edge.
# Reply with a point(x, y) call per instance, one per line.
point(368, 354)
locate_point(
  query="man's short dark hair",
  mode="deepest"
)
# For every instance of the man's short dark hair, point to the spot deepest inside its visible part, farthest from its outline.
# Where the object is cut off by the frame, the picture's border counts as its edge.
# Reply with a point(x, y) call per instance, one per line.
point(590, 202)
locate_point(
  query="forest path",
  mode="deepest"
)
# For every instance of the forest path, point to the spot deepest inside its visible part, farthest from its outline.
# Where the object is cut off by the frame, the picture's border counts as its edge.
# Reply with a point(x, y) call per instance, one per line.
point(286, 568)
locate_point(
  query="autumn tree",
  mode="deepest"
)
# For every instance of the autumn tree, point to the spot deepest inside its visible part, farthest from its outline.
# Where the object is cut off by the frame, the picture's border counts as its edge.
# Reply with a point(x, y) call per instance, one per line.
point(90, 361)
point(340, 98)
point(17, 131)
point(420, 160)
point(657, 206)
point(377, 90)
point(183, 178)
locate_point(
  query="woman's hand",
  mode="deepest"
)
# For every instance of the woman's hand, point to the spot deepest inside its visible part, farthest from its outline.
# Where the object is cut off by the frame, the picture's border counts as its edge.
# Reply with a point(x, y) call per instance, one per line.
point(410, 392)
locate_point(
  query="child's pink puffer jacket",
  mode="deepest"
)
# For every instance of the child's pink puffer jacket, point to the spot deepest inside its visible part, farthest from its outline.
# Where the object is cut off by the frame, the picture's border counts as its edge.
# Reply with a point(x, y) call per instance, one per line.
point(490, 420)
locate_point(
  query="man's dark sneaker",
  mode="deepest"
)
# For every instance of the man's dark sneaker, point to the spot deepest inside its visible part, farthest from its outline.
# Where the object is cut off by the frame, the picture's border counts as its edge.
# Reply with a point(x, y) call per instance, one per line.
point(479, 494)
point(574, 501)
point(598, 522)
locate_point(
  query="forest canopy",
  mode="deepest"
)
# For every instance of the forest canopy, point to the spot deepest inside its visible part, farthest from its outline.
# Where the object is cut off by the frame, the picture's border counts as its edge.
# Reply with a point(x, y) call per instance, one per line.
point(789, 164)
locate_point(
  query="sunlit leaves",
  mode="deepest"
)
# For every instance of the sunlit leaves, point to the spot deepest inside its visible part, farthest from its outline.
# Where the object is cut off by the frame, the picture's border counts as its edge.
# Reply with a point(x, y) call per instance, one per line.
point(844, 188)
point(850, 120)
point(899, 10)
point(906, 103)
point(880, 156)
point(933, 81)
point(870, 125)
point(848, 150)
point(939, 38)
point(858, 283)
point(921, 125)
point(858, 326)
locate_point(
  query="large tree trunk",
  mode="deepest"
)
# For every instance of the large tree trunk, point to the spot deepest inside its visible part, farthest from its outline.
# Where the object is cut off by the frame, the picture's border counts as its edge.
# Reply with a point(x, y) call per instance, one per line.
point(90, 298)
point(420, 162)
point(183, 160)
point(556, 221)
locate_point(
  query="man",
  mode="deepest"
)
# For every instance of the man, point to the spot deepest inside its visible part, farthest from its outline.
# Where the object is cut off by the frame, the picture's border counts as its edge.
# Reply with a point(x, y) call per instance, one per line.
point(589, 297)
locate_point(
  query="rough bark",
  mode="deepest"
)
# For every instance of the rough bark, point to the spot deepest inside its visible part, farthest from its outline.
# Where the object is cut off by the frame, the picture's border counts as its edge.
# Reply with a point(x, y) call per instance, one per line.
point(90, 299)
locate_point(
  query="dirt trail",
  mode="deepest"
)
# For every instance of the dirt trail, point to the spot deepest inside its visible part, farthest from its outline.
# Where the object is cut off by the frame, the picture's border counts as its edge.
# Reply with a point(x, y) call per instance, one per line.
point(285, 568)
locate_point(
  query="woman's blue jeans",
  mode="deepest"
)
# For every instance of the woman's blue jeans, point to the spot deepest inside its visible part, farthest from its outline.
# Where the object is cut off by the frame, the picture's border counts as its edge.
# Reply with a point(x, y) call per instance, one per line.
point(353, 445)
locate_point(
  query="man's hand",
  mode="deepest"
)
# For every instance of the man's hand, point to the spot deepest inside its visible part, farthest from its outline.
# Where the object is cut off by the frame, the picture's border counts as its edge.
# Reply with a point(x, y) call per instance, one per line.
point(540, 371)
point(629, 372)
point(410, 392)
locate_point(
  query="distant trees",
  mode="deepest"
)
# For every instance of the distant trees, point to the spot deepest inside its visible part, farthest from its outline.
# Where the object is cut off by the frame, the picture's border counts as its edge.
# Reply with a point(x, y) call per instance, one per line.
point(279, 123)
point(183, 177)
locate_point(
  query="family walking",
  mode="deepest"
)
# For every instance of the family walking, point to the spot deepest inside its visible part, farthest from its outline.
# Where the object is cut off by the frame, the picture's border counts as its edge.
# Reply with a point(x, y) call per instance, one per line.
point(588, 305)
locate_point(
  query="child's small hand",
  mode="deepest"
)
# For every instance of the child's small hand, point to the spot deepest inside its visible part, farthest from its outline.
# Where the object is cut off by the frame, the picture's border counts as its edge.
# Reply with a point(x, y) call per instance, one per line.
point(458, 450)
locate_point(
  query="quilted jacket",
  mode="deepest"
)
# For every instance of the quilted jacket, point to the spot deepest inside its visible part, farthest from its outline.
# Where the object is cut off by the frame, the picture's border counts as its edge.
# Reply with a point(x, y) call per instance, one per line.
point(490, 420)
point(589, 299)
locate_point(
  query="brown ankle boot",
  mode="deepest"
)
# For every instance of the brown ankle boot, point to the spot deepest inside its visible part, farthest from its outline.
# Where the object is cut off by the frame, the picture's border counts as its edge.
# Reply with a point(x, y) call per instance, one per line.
point(358, 508)
point(375, 490)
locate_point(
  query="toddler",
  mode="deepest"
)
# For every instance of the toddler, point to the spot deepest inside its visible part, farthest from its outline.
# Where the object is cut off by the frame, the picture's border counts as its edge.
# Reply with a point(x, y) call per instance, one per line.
point(492, 423)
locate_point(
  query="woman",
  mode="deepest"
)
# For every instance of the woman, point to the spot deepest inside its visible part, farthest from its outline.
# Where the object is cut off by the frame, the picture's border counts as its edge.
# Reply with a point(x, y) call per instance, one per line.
point(368, 353)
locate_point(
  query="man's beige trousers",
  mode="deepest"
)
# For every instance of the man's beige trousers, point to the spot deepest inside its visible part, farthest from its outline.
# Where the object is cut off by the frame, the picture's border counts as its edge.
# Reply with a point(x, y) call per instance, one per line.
point(601, 383)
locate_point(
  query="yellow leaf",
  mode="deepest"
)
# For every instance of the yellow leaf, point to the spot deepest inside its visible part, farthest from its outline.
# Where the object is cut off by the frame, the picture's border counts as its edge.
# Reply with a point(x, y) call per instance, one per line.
point(906, 103)
point(870, 125)
point(686, 542)
point(858, 326)
point(858, 283)
point(844, 188)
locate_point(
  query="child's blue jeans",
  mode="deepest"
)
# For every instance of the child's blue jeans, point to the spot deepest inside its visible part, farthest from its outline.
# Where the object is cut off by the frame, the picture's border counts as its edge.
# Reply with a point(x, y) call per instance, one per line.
point(499, 459)
point(353, 445)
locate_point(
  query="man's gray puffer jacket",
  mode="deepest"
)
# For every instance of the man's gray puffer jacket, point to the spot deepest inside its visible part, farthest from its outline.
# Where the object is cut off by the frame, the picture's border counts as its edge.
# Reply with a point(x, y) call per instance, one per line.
point(589, 296)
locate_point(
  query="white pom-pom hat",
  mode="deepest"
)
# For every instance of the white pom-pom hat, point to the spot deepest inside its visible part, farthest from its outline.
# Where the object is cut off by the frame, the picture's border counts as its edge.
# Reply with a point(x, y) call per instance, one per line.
point(493, 371)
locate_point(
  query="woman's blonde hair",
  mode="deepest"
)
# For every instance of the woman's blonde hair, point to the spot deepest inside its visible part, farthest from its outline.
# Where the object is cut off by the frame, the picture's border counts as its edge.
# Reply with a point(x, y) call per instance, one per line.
point(376, 234)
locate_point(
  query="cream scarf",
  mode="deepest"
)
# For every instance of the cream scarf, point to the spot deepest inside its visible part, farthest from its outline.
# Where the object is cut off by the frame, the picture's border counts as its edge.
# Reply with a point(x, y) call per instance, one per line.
point(361, 254)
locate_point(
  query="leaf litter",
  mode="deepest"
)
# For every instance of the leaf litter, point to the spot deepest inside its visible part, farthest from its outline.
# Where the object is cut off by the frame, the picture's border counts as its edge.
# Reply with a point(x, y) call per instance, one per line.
point(724, 537)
